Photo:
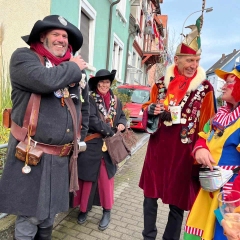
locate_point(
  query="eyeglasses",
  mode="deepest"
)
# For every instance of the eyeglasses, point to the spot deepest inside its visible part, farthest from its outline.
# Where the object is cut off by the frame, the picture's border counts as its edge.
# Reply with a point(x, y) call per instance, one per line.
point(104, 82)
point(229, 83)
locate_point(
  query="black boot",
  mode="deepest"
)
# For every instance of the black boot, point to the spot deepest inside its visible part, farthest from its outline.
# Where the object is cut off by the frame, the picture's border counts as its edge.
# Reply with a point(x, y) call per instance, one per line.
point(105, 220)
point(44, 233)
point(82, 217)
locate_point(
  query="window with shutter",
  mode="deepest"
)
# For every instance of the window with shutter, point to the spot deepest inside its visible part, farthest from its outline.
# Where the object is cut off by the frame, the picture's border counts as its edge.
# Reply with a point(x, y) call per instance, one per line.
point(85, 25)
point(117, 56)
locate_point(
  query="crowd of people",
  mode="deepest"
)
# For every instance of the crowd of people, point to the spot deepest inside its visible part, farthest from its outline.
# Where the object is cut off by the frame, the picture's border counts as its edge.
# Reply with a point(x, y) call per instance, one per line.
point(57, 153)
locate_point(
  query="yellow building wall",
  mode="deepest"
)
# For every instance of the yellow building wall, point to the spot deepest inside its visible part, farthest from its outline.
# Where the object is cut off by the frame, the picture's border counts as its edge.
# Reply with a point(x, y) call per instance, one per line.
point(17, 18)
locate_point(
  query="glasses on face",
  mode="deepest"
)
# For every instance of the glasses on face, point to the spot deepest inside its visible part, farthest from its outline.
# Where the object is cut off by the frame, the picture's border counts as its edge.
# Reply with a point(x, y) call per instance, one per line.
point(229, 82)
point(106, 82)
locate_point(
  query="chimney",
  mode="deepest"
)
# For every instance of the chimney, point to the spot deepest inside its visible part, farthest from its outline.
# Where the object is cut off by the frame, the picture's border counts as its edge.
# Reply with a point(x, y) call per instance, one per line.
point(234, 50)
point(223, 55)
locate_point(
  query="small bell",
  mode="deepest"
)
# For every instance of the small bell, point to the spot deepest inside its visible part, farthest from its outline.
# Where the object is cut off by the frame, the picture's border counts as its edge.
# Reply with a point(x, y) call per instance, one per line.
point(26, 169)
point(104, 147)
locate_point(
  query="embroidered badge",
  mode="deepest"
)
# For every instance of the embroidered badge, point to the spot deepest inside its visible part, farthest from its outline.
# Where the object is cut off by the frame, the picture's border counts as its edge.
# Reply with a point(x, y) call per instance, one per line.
point(62, 20)
point(184, 134)
point(200, 88)
point(58, 93)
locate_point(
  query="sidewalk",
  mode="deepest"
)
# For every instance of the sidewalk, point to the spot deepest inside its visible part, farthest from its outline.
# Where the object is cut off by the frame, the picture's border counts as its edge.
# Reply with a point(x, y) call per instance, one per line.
point(127, 217)
point(127, 213)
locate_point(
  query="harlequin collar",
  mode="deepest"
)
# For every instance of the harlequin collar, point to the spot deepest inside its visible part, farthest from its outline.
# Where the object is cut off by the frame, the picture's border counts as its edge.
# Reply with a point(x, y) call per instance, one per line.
point(225, 117)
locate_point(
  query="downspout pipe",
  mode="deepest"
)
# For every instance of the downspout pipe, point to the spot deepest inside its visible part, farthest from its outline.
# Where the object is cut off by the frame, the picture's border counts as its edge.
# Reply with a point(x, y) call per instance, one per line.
point(129, 35)
point(109, 32)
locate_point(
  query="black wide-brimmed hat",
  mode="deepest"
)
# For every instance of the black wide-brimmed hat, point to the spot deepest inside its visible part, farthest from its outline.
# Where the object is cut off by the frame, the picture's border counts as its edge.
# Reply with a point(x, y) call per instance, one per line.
point(75, 37)
point(101, 75)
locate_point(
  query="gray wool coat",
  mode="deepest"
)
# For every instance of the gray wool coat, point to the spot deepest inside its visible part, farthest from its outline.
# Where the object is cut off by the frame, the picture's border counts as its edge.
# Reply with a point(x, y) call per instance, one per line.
point(43, 192)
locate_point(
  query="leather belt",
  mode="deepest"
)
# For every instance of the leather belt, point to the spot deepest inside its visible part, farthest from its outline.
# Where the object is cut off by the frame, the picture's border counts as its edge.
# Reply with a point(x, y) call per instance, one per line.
point(58, 150)
point(92, 136)
point(18, 132)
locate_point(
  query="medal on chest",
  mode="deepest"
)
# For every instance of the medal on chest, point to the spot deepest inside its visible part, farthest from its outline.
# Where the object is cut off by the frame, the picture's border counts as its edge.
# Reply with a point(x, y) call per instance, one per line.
point(184, 135)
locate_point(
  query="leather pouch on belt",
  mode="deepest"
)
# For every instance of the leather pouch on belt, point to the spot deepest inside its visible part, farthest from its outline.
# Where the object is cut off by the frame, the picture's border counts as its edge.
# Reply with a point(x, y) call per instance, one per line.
point(7, 117)
point(34, 154)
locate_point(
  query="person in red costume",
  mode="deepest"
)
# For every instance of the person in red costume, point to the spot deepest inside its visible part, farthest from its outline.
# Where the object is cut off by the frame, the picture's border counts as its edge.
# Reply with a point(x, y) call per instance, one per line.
point(168, 170)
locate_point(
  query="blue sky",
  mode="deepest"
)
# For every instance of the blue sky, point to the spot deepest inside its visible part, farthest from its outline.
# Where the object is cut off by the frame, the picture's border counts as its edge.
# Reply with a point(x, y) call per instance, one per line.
point(221, 27)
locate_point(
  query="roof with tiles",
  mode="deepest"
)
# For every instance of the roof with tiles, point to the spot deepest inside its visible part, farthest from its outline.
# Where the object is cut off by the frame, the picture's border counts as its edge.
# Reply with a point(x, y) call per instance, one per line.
point(222, 61)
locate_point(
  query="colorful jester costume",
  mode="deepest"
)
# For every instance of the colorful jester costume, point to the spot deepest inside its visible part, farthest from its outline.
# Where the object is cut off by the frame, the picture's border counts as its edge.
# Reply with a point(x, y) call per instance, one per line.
point(222, 139)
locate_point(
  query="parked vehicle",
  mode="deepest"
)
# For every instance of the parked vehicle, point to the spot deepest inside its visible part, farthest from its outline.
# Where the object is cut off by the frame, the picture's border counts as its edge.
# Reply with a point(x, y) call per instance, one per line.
point(139, 94)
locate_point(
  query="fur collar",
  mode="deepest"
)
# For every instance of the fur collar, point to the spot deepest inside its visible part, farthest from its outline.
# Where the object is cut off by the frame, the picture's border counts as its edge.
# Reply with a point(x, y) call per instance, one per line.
point(200, 77)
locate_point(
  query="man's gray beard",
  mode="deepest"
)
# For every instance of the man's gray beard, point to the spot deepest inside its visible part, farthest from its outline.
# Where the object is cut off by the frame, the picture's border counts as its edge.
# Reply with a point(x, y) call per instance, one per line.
point(47, 45)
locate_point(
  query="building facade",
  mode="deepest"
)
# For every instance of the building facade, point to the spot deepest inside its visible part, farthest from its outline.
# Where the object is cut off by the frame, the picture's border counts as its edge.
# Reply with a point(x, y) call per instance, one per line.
point(148, 52)
point(127, 35)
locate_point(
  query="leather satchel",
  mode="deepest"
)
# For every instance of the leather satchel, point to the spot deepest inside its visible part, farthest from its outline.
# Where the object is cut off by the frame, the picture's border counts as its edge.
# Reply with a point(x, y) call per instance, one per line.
point(119, 145)
point(117, 148)
point(129, 137)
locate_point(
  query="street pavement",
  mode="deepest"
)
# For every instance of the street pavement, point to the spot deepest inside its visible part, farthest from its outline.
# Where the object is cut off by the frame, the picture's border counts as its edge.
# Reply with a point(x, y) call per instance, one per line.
point(127, 213)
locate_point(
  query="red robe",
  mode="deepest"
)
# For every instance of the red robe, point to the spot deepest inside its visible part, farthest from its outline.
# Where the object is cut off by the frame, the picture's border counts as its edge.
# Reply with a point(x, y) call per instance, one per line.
point(169, 172)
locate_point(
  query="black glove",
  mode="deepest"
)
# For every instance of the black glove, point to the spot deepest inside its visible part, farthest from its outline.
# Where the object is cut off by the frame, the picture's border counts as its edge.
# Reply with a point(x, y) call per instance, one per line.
point(165, 116)
point(113, 131)
point(151, 108)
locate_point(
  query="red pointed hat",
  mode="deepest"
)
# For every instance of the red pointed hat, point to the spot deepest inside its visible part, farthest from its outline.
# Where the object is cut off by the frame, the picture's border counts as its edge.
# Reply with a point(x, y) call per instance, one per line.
point(191, 44)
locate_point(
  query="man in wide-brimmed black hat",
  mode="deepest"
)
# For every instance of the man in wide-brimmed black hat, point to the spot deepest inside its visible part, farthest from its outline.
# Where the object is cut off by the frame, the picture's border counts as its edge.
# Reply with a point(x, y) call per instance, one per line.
point(37, 191)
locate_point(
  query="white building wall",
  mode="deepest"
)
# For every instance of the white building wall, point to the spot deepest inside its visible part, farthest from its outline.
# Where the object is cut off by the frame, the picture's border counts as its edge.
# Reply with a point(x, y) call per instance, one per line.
point(217, 84)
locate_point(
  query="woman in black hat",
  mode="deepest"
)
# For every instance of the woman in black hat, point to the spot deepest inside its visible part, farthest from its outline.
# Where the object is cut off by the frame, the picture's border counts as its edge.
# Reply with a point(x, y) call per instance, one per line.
point(95, 168)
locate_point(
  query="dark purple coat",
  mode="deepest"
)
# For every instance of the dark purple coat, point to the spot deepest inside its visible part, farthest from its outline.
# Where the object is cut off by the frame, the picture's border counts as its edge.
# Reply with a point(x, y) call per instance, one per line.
point(169, 172)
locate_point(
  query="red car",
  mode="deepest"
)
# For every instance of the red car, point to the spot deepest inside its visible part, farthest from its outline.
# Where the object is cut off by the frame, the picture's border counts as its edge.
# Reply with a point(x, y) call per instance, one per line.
point(139, 94)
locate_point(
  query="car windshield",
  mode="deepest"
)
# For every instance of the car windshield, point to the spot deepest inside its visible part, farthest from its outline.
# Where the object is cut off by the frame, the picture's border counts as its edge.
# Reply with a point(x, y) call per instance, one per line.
point(137, 95)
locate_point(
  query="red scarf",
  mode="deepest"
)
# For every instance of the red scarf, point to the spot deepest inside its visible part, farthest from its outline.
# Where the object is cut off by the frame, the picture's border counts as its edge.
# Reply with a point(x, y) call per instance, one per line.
point(106, 98)
point(177, 88)
point(41, 50)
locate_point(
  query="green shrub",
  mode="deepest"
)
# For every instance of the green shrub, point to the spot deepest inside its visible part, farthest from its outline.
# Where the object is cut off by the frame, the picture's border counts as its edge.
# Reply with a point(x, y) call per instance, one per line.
point(5, 99)
point(124, 98)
